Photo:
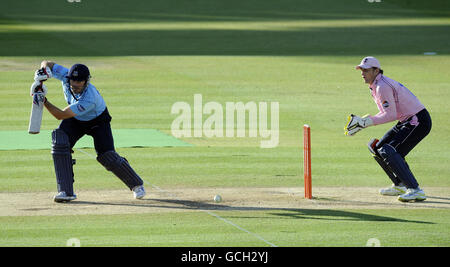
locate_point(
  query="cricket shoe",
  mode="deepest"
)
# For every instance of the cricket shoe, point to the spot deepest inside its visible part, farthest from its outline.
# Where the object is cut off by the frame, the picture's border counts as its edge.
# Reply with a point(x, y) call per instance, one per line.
point(62, 197)
point(138, 192)
point(412, 195)
point(394, 190)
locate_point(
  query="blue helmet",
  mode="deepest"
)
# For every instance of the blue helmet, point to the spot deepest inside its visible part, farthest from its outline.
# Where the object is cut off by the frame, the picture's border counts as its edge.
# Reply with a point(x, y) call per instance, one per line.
point(79, 72)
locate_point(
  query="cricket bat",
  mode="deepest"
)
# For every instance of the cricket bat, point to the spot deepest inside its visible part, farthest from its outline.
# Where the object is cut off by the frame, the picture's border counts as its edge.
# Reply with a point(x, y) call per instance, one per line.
point(37, 107)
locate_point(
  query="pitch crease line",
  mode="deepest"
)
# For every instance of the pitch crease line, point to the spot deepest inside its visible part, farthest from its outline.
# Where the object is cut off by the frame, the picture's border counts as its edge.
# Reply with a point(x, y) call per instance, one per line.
point(206, 211)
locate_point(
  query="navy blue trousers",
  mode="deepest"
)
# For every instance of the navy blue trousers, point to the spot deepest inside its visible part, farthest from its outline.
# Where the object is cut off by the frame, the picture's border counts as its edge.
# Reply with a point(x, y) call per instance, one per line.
point(403, 137)
point(99, 128)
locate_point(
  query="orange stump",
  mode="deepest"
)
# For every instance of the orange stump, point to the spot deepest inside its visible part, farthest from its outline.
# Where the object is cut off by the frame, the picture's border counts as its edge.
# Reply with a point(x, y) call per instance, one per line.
point(307, 160)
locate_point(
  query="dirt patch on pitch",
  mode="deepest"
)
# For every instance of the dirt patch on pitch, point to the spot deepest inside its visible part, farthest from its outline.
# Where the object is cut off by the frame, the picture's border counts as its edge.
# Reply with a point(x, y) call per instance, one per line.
point(191, 199)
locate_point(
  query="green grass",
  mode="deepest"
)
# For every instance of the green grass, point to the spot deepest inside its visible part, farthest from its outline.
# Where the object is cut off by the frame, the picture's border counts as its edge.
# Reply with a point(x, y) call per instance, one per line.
point(146, 55)
point(284, 228)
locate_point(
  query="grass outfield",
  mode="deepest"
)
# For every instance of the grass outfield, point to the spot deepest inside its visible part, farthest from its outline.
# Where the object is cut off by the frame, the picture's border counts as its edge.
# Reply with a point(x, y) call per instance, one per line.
point(284, 228)
point(144, 57)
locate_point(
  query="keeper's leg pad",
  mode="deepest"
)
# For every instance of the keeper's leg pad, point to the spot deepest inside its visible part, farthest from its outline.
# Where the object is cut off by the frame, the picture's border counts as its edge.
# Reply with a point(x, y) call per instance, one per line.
point(62, 160)
point(121, 168)
point(387, 170)
point(372, 145)
point(398, 165)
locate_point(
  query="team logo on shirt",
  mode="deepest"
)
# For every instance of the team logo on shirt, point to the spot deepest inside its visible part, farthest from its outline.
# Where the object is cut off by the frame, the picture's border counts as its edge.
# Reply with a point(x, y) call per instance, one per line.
point(80, 108)
point(385, 104)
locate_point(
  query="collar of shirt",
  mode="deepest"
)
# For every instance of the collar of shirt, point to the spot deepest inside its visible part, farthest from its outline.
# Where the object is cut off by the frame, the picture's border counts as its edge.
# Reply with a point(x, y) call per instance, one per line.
point(374, 84)
point(78, 96)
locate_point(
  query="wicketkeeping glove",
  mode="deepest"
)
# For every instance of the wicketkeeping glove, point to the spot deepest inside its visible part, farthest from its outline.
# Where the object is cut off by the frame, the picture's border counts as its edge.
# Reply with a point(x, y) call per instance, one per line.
point(43, 74)
point(356, 124)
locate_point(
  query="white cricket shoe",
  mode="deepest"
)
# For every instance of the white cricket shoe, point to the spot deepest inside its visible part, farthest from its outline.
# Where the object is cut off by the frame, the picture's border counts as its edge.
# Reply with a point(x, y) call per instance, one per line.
point(412, 195)
point(394, 190)
point(63, 197)
point(138, 192)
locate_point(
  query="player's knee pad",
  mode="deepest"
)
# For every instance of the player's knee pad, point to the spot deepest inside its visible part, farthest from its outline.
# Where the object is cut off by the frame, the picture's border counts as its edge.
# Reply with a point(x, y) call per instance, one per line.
point(110, 160)
point(387, 152)
point(60, 142)
point(118, 165)
point(62, 160)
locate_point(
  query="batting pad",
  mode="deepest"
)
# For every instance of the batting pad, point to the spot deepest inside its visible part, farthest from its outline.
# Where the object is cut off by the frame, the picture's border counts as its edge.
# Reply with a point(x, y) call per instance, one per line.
point(14, 140)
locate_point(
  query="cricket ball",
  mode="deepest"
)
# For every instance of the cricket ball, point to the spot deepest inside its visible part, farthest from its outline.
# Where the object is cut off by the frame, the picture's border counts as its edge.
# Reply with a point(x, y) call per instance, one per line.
point(217, 198)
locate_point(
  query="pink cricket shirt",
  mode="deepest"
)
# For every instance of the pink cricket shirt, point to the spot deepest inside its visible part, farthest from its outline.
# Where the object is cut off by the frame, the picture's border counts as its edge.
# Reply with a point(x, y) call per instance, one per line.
point(394, 101)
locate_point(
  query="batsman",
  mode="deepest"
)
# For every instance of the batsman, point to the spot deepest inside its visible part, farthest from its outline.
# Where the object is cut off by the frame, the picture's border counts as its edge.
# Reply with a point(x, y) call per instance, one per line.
point(395, 102)
point(86, 114)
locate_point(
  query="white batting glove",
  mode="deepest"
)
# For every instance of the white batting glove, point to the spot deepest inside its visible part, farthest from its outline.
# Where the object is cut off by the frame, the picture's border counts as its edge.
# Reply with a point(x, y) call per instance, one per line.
point(38, 87)
point(356, 124)
point(43, 74)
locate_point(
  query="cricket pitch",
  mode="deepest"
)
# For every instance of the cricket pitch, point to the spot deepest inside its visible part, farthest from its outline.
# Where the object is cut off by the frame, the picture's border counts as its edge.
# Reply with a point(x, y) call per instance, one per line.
point(191, 199)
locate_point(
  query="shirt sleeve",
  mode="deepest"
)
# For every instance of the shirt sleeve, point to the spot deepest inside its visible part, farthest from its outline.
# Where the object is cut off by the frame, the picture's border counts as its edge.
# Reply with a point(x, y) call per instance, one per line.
point(82, 107)
point(59, 72)
point(386, 104)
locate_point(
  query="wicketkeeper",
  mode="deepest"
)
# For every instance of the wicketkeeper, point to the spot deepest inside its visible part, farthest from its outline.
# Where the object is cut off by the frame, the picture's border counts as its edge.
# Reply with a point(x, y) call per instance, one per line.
point(395, 102)
point(86, 113)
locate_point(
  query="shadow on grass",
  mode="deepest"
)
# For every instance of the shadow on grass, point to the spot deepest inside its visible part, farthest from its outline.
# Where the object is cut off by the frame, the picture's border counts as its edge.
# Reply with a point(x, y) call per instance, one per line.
point(217, 10)
point(389, 40)
point(326, 40)
point(310, 214)
point(339, 215)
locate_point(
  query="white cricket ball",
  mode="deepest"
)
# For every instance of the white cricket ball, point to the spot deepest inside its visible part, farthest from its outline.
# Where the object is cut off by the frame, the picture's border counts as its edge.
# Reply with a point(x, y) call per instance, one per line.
point(217, 198)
